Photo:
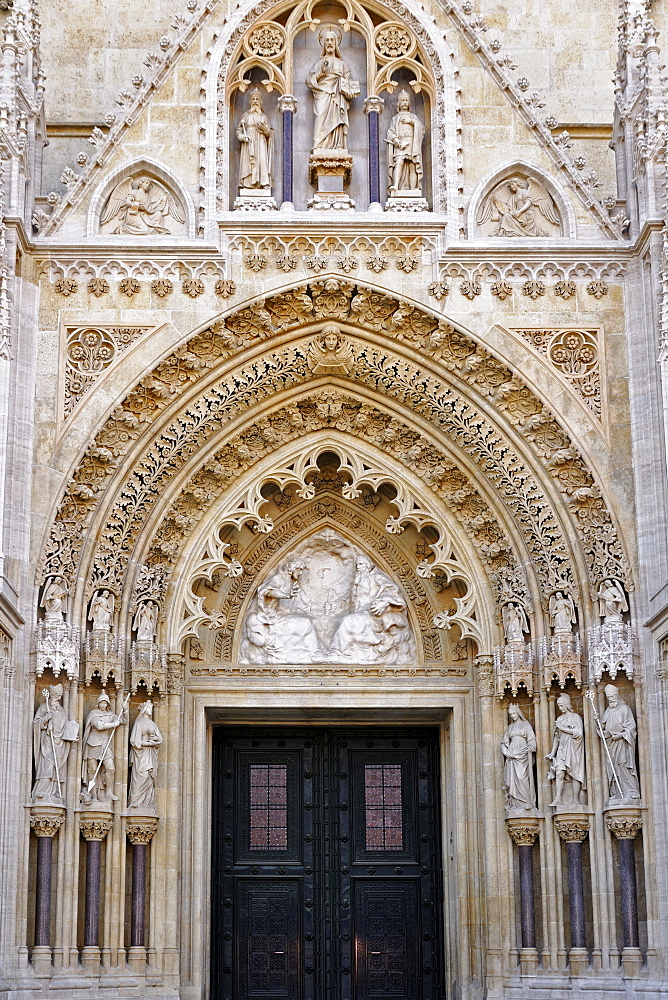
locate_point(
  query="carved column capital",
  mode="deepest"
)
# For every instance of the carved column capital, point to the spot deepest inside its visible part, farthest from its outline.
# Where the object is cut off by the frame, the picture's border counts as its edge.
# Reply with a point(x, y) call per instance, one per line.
point(571, 828)
point(46, 821)
point(141, 829)
point(287, 102)
point(624, 827)
point(95, 825)
point(373, 103)
point(523, 829)
point(484, 665)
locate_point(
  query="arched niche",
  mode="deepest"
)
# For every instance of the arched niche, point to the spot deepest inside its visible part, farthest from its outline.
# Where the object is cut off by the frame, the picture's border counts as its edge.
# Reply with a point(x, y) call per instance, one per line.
point(548, 212)
point(275, 55)
point(141, 200)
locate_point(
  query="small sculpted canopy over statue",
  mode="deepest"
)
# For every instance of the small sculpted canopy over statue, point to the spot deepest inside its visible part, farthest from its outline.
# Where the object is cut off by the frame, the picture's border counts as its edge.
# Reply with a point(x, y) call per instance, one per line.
point(98, 755)
point(53, 600)
point(53, 735)
point(257, 147)
point(567, 762)
point(332, 88)
point(330, 353)
point(518, 747)
point(145, 739)
point(101, 610)
point(141, 206)
point(562, 612)
point(515, 622)
point(146, 621)
point(519, 207)
point(404, 149)
point(612, 601)
point(620, 733)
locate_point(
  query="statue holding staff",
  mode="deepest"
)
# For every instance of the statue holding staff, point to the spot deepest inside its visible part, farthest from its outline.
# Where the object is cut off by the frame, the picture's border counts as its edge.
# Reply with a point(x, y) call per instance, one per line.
point(53, 735)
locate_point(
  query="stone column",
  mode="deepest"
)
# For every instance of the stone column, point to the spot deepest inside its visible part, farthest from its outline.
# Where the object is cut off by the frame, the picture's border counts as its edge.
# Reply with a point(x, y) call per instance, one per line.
point(625, 822)
point(140, 830)
point(573, 828)
point(287, 105)
point(373, 107)
point(45, 822)
point(94, 825)
point(524, 830)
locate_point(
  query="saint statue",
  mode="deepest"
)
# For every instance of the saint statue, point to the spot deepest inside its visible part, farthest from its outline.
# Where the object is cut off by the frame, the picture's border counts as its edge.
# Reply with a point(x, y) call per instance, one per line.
point(519, 208)
point(53, 600)
point(562, 612)
point(257, 146)
point(333, 90)
point(273, 632)
point(98, 755)
point(141, 206)
point(619, 729)
point(611, 601)
point(53, 735)
point(146, 621)
point(404, 149)
point(145, 739)
point(518, 747)
point(515, 622)
point(330, 353)
point(101, 610)
point(567, 764)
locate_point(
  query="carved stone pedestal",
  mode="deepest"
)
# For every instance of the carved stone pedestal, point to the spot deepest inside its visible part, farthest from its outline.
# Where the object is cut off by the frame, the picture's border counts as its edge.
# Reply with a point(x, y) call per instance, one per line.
point(255, 200)
point(407, 201)
point(625, 822)
point(329, 172)
point(524, 830)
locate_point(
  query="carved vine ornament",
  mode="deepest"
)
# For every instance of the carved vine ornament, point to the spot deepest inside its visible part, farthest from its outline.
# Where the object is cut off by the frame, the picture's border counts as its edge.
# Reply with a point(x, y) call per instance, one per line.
point(467, 371)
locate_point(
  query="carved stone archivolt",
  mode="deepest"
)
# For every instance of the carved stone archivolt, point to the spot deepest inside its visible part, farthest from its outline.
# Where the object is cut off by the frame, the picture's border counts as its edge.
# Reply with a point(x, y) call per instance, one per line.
point(471, 373)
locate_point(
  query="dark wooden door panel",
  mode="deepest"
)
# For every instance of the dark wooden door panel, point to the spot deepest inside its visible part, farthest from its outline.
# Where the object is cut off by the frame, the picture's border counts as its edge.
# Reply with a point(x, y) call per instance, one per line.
point(268, 939)
point(386, 938)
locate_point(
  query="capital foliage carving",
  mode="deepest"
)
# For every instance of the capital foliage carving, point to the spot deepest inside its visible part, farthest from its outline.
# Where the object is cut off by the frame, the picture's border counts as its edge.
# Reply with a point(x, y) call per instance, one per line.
point(46, 825)
point(94, 828)
point(141, 832)
point(572, 830)
point(523, 834)
point(624, 827)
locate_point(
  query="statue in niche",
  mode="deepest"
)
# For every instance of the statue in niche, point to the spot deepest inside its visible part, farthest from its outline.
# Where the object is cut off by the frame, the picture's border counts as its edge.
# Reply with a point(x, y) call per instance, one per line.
point(101, 610)
point(97, 766)
point(257, 147)
point(145, 739)
point(140, 206)
point(612, 601)
point(332, 88)
point(53, 735)
point(330, 353)
point(515, 622)
point(562, 613)
point(620, 732)
point(567, 763)
point(404, 150)
point(53, 600)
point(327, 603)
point(519, 207)
point(518, 747)
point(146, 621)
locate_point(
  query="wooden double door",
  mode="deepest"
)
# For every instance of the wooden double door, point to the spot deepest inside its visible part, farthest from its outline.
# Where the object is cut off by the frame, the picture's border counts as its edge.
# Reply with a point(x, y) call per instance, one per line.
point(326, 878)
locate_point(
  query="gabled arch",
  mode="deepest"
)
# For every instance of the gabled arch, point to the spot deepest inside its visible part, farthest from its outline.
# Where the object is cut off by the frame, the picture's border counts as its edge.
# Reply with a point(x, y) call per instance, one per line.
point(153, 168)
point(497, 176)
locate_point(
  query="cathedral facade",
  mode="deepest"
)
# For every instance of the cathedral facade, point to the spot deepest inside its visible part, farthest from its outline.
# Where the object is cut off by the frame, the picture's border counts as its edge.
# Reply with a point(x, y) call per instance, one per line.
point(333, 500)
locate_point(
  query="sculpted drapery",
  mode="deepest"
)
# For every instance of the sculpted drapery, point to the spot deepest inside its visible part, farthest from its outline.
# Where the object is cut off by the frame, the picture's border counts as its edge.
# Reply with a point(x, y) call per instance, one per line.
point(257, 142)
point(333, 90)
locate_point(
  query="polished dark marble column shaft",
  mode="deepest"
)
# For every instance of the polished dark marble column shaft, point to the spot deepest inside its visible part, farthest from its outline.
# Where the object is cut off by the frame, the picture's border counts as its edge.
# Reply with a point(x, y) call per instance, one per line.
point(43, 890)
point(138, 895)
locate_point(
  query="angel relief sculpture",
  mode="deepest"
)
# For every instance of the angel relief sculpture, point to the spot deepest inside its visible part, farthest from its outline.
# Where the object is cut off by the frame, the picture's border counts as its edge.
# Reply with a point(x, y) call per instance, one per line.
point(141, 206)
point(519, 207)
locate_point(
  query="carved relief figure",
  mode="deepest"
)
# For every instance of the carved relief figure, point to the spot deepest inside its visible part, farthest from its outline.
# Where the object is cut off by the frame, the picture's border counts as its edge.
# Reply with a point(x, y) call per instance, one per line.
point(53, 600)
point(619, 728)
point(562, 612)
point(327, 603)
point(53, 735)
point(145, 739)
point(333, 90)
point(515, 622)
point(146, 621)
point(257, 146)
point(98, 756)
point(612, 601)
point(518, 747)
point(330, 353)
point(404, 149)
point(101, 610)
point(567, 763)
point(519, 207)
point(140, 206)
